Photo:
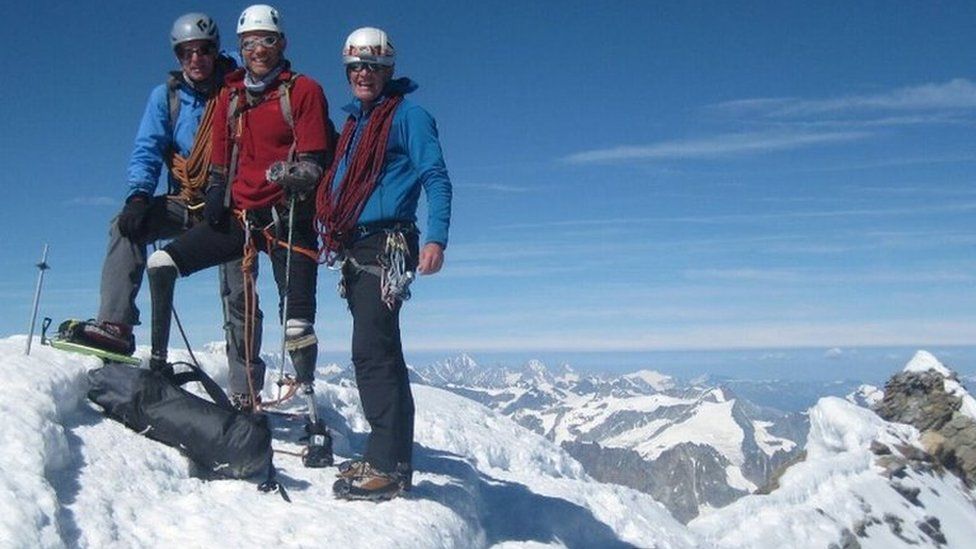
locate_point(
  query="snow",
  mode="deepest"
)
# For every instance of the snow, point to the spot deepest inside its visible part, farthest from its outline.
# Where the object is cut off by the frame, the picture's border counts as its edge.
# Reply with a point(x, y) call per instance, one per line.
point(924, 361)
point(735, 479)
point(587, 412)
point(712, 424)
point(866, 395)
point(73, 478)
point(655, 380)
point(768, 442)
point(839, 488)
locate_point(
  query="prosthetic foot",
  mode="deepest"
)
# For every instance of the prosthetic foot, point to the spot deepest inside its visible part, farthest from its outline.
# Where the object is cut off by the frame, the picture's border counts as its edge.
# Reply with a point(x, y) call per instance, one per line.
point(319, 449)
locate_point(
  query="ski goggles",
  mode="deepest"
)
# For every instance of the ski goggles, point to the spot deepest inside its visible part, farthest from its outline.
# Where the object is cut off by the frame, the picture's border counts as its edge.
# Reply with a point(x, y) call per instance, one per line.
point(368, 67)
point(252, 43)
point(185, 53)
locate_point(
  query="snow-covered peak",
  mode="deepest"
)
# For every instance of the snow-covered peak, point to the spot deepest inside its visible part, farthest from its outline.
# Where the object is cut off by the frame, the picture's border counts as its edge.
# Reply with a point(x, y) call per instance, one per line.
point(654, 380)
point(924, 361)
point(842, 496)
point(837, 426)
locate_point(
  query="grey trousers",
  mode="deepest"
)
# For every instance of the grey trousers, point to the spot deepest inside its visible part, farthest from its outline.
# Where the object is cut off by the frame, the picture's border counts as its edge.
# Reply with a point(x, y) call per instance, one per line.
point(122, 273)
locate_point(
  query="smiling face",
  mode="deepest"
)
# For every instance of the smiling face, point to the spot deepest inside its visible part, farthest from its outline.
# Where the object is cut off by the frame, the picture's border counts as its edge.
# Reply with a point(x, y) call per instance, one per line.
point(261, 51)
point(367, 81)
point(197, 59)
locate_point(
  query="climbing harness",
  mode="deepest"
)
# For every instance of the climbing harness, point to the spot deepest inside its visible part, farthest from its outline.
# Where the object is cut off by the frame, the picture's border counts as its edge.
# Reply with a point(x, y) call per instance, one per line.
point(391, 267)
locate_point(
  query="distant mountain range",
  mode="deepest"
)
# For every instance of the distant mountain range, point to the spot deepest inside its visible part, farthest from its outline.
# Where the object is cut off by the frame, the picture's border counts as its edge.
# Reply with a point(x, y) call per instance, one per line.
point(693, 446)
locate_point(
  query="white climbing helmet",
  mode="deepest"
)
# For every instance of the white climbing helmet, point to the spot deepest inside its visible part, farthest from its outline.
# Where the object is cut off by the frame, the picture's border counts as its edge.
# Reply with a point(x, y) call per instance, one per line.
point(368, 45)
point(260, 17)
point(194, 26)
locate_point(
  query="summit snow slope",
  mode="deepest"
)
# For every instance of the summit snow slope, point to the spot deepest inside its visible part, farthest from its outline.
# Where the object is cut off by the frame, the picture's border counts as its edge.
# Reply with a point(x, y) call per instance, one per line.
point(72, 478)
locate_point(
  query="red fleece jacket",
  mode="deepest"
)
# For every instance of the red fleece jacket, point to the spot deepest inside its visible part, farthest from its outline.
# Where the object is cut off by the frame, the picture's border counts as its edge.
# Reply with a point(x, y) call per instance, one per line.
point(263, 136)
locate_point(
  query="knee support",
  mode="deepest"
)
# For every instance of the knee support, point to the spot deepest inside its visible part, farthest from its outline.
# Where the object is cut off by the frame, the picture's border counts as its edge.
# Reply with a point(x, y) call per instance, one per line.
point(303, 346)
point(299, 333)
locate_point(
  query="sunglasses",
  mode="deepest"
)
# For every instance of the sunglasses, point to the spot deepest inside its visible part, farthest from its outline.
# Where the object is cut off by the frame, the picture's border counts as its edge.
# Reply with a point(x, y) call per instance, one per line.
point(368, 67)
point(252, 43)
point(186, 53)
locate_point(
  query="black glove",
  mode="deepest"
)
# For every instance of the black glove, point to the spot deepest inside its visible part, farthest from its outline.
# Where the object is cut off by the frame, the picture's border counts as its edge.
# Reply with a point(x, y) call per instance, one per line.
point(132, 220)
point(296, 178)
point(214, 211)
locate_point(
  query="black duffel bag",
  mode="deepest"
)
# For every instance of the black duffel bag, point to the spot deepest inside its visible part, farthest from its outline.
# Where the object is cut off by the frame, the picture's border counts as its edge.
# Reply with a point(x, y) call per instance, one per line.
point(218, 438)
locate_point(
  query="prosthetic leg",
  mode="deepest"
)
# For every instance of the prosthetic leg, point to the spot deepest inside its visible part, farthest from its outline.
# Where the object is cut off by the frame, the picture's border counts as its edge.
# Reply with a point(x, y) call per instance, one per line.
point(303, 347)
point(162, 274)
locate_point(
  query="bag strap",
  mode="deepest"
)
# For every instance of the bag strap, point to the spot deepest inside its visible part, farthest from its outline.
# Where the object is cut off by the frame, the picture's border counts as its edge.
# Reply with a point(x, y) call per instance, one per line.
point(209, 385)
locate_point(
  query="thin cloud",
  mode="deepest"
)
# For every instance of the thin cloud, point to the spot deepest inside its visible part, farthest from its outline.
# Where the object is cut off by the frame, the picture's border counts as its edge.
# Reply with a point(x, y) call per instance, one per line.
point(833, 353)
point(956, 94)
point(779, 334)
point(812, 278)
point(720, 146)
point(959, 207)
point(750, 275)
point(496, 187)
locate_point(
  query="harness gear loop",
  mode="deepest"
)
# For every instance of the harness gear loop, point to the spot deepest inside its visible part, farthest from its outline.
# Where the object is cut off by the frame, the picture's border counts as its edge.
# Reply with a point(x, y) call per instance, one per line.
point(395, 279)
point(391, 268)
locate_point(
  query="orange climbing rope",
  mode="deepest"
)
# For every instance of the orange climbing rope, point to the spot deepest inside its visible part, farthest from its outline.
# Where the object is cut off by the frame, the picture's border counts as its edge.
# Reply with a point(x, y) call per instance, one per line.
point(191, 171)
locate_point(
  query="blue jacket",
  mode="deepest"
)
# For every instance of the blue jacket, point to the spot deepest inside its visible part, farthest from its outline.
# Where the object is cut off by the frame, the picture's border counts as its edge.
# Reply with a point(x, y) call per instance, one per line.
point(413, 161)
point(155, 137)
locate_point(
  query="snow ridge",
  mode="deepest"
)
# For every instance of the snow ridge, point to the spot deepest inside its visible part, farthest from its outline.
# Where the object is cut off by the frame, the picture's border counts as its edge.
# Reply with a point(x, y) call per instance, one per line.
point(73, 478)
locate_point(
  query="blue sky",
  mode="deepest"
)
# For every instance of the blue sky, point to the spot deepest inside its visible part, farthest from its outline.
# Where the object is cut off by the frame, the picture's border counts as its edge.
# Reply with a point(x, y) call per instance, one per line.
point(629, 176)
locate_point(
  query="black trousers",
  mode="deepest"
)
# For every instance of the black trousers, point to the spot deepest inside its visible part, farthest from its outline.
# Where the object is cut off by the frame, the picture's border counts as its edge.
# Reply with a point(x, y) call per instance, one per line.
point(204, 246)
point(377, 354)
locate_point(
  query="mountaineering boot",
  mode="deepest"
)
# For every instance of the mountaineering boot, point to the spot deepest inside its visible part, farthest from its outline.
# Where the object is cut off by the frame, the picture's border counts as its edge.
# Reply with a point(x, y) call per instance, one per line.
point(352, 468)
point(243, 403)
point(113, 337)
point(162, 274)
point(369, 484)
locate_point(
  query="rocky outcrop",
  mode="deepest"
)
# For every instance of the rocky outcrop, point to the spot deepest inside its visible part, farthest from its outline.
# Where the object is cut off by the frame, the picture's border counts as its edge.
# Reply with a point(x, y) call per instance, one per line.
point(921, 399)
point(682, 478)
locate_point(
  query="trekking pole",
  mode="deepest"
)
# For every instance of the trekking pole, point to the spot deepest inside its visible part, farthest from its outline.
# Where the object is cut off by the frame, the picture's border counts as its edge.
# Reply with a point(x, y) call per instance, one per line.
point(284, 301)
point(42, 266)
